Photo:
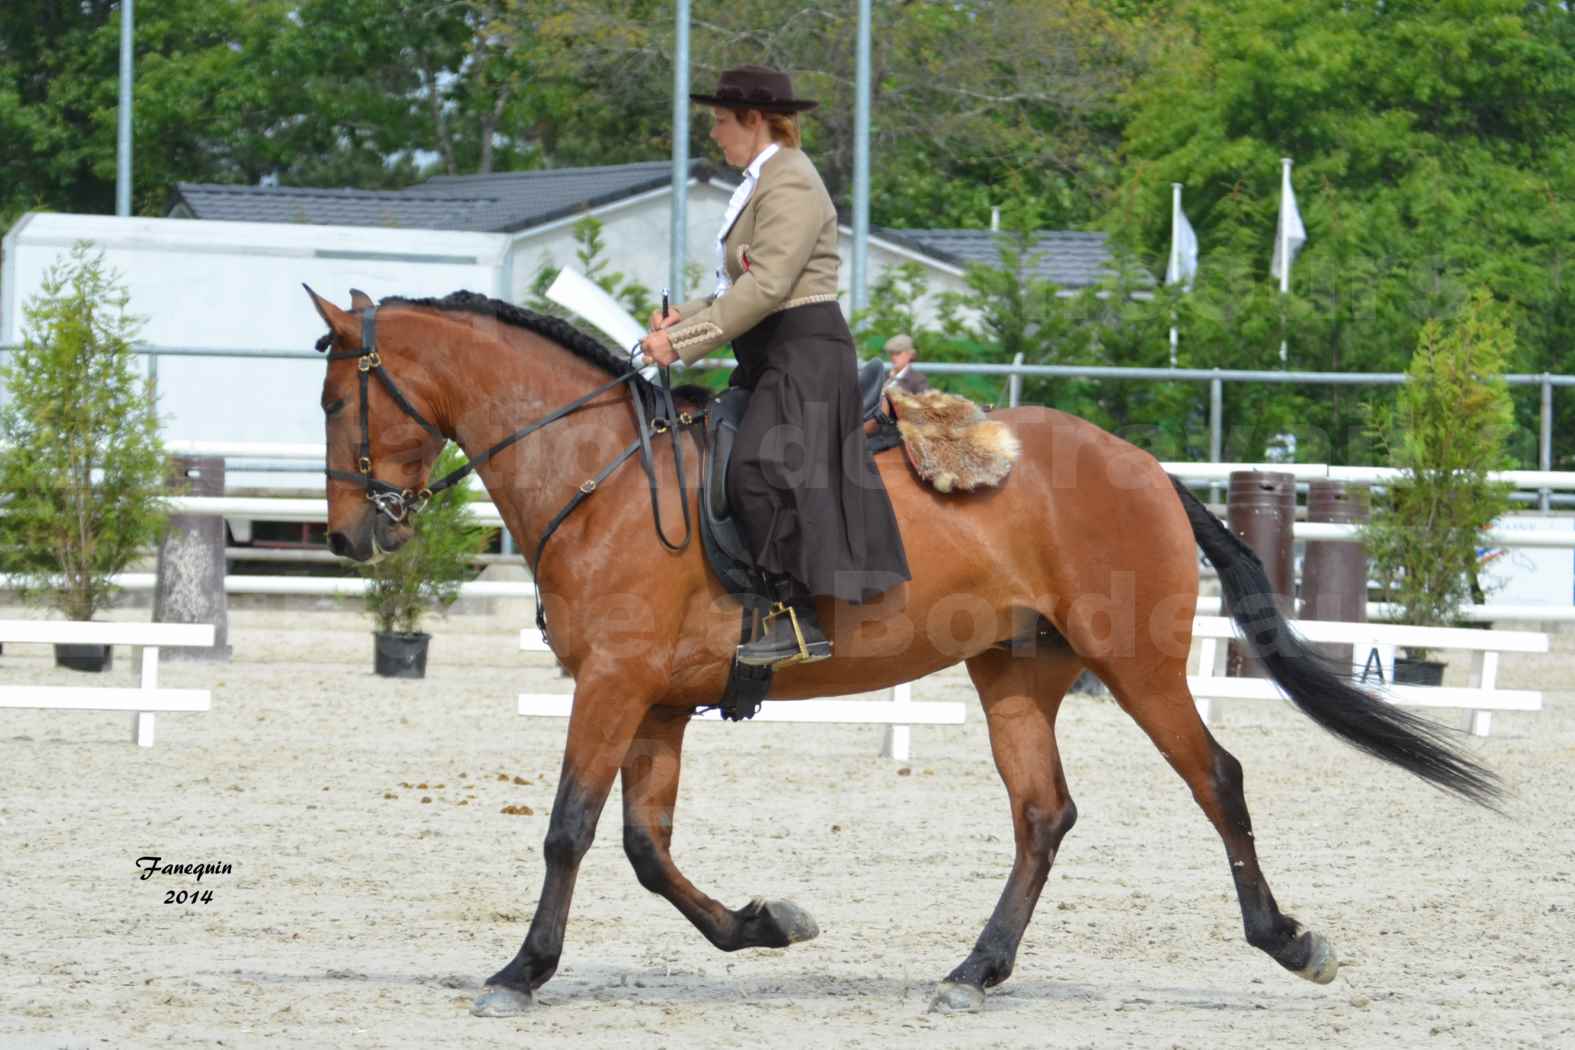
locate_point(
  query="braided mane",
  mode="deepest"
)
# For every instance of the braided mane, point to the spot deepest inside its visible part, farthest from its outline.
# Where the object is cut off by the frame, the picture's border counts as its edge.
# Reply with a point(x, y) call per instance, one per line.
point(554, 328)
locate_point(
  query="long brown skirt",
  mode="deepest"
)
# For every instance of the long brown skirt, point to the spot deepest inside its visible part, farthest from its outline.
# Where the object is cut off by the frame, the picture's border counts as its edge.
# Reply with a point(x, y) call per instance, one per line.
point(809, 498)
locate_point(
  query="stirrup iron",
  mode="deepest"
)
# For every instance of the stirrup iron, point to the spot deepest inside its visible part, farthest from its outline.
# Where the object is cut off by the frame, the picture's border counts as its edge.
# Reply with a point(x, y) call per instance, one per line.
point(807, 653)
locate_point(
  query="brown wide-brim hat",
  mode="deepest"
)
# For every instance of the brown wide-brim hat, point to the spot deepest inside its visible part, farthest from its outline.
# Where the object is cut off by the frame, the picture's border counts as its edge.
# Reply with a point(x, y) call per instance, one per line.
point(756, 87)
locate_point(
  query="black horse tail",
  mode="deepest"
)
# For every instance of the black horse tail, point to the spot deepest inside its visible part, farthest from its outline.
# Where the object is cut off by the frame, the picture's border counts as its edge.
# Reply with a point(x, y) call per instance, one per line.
point(1312, 682)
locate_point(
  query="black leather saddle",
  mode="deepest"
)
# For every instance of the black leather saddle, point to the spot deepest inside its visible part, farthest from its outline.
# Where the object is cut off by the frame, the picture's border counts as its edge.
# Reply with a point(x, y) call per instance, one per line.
point(719, 536)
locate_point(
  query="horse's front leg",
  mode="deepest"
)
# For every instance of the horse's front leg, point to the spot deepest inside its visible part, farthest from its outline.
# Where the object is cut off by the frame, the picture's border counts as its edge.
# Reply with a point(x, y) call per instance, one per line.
point(601, 727)
point(650, 795)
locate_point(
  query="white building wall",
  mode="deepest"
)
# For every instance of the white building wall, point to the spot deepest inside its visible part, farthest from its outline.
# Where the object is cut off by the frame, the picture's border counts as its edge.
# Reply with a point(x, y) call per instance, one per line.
point(237, 286)
point(636, 235)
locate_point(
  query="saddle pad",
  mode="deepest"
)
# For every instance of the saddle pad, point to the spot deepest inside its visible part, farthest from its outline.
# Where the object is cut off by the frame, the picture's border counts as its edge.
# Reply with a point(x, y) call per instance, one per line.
point(950, 442)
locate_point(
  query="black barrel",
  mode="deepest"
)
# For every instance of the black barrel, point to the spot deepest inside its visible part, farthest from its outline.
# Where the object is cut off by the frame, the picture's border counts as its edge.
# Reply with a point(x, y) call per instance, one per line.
point(1334, 572)
point(1262, 511)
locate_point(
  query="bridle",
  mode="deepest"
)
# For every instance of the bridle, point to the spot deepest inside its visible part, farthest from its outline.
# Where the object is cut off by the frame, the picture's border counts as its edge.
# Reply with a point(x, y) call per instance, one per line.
point(395, 503)
point(399, 504)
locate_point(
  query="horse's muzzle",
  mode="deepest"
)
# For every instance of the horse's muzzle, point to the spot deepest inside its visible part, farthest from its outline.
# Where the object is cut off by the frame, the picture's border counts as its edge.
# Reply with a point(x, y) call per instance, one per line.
point(370, 539)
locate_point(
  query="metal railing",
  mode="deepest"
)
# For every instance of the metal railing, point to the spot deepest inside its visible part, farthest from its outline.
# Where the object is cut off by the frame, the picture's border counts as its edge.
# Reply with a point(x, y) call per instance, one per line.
point(1016, 371)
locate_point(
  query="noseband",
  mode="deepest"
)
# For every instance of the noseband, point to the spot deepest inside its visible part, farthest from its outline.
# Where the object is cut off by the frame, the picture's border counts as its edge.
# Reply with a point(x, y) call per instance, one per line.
point(400, 504)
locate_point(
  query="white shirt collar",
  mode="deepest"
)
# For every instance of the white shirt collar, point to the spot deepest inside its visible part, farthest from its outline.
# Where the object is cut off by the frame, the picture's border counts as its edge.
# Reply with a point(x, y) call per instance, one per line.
point(734, 207)
point(753, 171)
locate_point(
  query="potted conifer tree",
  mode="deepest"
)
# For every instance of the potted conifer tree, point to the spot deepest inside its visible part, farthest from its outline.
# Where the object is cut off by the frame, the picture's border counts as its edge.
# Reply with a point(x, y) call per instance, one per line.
point(1447, 432)
point(81, 464)
point(423, 576)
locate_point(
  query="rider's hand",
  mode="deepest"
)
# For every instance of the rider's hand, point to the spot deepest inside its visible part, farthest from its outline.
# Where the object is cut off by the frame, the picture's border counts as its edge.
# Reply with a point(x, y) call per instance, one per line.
point(658, 322)
point(659, 348)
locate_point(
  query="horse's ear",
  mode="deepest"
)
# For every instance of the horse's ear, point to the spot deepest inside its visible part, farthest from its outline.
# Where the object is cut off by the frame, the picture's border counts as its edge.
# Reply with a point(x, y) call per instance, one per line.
point(342, 325)
point(359, 300)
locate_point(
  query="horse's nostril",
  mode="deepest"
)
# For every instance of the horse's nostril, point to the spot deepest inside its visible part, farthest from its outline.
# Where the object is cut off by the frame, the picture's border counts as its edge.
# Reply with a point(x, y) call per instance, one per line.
point(339, 544)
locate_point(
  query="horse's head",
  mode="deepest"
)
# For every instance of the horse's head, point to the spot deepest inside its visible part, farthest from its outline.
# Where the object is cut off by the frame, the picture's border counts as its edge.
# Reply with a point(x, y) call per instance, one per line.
point(380, 451)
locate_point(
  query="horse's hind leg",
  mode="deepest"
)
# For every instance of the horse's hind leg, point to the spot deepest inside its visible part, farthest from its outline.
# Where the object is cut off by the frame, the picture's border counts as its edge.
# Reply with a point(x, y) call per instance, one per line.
point(1163, 706)
point(650, 793)
point(1021, 695)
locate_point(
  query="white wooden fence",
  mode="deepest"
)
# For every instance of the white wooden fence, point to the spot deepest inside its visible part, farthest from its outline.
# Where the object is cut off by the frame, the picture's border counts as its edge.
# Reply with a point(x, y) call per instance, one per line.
point(142, 701)
point(899, 714)
point(1481, 697)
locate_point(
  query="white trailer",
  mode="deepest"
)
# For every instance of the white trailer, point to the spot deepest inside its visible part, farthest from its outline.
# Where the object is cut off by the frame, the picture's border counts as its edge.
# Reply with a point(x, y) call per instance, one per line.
point(236, 287)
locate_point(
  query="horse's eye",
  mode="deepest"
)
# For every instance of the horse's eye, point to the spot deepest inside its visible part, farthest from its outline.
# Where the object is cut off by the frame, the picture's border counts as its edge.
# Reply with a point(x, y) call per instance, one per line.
point(332, 407)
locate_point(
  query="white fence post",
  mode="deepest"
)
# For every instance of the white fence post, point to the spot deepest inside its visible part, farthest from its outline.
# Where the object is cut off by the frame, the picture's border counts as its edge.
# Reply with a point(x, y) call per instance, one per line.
point(899, 738)
point(142, 721)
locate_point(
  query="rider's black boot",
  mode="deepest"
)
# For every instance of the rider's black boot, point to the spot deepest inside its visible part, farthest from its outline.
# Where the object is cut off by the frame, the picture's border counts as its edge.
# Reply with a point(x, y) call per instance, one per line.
point(792, 635)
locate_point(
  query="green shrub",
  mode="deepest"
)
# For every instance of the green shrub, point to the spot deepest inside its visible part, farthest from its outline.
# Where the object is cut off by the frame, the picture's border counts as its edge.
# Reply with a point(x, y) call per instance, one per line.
point(425, 574)
point(81, 464)
point(1448, 430)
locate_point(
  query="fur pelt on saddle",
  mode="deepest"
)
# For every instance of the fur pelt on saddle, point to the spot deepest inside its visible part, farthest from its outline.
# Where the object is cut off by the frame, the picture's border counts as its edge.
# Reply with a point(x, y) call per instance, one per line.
point(950, 442)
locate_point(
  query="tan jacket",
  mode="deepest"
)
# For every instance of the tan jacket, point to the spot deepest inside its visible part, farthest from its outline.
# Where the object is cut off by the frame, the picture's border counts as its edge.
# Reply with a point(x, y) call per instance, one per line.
point(781, 253)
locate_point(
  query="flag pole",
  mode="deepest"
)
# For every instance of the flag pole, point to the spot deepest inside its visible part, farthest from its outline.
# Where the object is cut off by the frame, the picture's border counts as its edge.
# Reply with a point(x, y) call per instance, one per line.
point(123, 120)
point(858, 285)
point(678, 234)
point(1285, 241)
point(1285, 249)
point(1175, 212)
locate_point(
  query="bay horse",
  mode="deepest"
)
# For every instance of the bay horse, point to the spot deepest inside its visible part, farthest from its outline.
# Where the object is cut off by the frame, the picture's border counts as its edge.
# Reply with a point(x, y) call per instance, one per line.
point(1084, 557)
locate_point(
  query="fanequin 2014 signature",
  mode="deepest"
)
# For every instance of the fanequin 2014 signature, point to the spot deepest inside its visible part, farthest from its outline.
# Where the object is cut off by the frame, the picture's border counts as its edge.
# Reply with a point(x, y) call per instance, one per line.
point(151, 866)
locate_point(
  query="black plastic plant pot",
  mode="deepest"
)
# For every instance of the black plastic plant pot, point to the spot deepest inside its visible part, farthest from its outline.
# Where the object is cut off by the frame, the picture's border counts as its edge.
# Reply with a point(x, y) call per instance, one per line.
point(84, 656)
point(1418, 672)
point(397, 655)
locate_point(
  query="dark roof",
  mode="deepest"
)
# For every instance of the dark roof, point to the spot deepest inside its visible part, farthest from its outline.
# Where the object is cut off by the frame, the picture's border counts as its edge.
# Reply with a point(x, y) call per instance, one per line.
point(1067, 258)
point(510, 201)
point(326, 207)
point(530, 198)
point(498, 203)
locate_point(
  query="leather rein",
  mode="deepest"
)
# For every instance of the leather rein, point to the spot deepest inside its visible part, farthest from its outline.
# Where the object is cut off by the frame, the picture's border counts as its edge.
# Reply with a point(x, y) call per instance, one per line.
point(399, 504)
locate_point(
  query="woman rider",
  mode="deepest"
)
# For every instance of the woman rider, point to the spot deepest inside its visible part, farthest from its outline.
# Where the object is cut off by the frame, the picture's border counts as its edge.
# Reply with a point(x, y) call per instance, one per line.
point(807, 496)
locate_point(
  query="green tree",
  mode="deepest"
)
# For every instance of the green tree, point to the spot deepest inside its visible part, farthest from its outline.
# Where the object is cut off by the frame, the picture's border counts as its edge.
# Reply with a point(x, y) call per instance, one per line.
point(1433, 154)
point(348, 93)
point(1446, 432)
point(972, 101)
point(893, 309)
point(425, 575)
point(206, 99)
point(81, 465)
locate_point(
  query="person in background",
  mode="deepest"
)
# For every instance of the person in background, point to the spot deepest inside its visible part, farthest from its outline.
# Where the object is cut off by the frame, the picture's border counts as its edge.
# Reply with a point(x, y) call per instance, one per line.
point(902, 352)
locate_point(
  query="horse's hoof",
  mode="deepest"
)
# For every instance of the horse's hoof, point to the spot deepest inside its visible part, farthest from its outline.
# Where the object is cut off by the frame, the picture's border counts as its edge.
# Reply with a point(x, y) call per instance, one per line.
point(1322, 963)
point(794, 922)
point(497, 1000)
point(953, 998)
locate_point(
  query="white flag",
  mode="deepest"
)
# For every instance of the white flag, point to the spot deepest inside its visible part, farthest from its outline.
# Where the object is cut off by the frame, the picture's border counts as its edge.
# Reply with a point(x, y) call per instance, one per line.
point(1183, 252)
point(1290, 235)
